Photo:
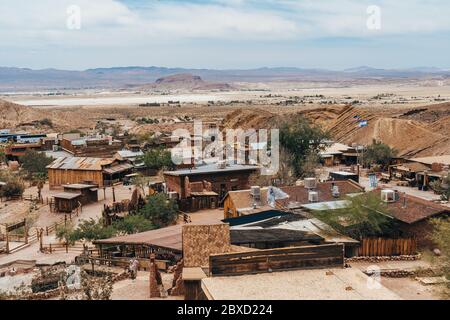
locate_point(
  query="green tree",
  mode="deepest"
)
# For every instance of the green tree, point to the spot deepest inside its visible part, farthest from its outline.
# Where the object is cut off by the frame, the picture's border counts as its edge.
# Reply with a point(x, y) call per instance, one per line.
point(442, 187)
point(91, 230)
point(160, 210)
point(65, 233)
point(14, 185)
point(378, 153)
point(2, 155)
point(133, 224)
point(158, 159)
point(365, 215)
point(301, 140)
point(35, 163)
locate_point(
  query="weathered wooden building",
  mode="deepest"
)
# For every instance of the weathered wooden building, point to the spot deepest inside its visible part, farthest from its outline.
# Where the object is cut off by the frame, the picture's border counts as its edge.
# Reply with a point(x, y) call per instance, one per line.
point(222, 179)
point(102, 147)
point(13, 152)
point(88, 192)
point(94, 171)
point(66, 202)
point(205, 186)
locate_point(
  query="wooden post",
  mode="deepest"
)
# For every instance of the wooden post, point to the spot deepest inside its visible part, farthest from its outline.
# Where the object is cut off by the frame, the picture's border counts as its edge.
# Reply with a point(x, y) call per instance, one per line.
point(7, 242)
point(104, 193)
point(65, 221)
point(67, 247)
point(50, 248)
point(25, 227)
point(41, 240)
point(114, 195)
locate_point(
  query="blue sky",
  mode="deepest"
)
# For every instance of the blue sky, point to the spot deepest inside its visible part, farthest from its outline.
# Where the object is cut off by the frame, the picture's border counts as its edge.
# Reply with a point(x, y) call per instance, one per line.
point(225, 34)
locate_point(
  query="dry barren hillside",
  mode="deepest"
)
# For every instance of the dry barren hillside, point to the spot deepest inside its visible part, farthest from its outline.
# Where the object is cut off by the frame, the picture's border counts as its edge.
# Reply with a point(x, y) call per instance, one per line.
point(418, 132)
point(13, 115)
point(423, 131)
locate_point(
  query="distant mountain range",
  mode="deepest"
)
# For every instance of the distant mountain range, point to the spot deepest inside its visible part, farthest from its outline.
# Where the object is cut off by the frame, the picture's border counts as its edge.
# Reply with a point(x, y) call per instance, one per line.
point(18, 79)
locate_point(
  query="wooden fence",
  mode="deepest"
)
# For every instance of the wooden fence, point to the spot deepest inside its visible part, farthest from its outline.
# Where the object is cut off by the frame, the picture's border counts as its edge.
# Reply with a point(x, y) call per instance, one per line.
point(62, 247)
point(377, 247)
point(34, 234)
point(262, 261)
point(144, 264)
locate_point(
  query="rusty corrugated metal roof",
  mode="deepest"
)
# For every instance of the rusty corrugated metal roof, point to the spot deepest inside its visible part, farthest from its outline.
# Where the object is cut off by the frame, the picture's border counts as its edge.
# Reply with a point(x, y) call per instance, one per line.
point(77, 163)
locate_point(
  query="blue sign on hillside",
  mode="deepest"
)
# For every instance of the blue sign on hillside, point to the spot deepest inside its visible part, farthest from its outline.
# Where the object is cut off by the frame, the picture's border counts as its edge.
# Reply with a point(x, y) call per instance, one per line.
point(363, 123)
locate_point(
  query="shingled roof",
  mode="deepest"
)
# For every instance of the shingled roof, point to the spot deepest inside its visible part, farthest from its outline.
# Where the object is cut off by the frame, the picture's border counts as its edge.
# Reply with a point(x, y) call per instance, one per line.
point(410, 209)
point(242, 199)
point(300, 194)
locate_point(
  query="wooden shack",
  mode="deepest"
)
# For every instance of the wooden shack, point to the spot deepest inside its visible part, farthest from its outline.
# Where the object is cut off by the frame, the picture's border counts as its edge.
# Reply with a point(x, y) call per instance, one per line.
point(73, 170)
point(66, 202)
point(88, 192)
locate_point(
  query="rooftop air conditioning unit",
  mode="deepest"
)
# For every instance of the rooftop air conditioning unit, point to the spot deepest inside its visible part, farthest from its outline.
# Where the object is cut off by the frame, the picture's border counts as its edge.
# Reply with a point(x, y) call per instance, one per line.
point(310, 183)
point(335, 192)
point(255, 191)
point(221, 164)
point(388, 196)
point(313, 196)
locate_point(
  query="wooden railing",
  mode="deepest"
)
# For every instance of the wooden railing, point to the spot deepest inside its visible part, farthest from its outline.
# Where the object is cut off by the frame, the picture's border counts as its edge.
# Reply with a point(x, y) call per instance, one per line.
point(144, 264)
point(62, 247)
point(35, 234)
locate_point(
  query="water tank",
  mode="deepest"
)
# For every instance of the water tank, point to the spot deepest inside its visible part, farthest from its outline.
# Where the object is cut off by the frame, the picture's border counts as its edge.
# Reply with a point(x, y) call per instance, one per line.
point(310, 183)
point(388, 196)
point(173, 195)
point(313, 196)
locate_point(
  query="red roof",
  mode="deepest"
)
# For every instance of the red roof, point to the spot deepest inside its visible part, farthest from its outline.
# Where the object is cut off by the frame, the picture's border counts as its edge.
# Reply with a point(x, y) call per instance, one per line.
point(300, 194)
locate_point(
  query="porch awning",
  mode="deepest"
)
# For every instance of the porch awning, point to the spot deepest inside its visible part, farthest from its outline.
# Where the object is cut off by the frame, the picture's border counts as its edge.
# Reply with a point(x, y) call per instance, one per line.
point(118, 168)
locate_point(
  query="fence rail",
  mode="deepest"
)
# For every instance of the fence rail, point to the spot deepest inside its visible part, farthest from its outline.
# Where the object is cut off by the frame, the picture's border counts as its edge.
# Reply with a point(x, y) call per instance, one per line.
point(62, 247)
point(35, 234)
point(144, 264)
point(373, 247)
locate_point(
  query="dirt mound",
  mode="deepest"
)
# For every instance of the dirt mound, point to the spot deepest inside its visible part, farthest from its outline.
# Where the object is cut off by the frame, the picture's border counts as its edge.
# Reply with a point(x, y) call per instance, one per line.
point(408, 137)
point(17, 116)
point(430, 113)
point(247, 119)
point(16, 112)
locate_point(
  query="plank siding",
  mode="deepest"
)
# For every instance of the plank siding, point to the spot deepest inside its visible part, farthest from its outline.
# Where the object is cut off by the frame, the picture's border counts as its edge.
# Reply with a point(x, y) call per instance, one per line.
point(58, 177)
point(372, 247)
point(263, 261)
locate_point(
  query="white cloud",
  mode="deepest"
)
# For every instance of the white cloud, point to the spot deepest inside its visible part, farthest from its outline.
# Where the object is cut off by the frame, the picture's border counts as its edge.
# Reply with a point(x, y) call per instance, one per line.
point(112, 23)
point(225, 30)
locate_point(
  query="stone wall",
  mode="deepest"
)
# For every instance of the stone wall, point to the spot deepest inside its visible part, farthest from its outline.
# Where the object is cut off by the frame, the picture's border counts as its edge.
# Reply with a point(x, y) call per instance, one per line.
point(200, 241)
